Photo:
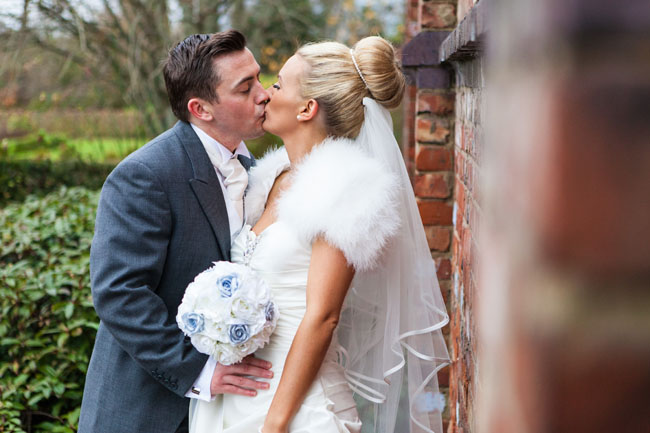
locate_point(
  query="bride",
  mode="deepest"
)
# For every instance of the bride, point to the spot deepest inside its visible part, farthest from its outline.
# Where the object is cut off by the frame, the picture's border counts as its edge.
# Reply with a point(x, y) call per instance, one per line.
point(334, 229)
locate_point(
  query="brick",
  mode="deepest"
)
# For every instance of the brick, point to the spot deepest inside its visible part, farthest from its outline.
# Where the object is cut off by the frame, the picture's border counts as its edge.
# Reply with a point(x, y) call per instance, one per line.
point(411, 153)
point(443, 266)
point(469, 175)
point(458, 134)
point(432, 130)
point(435, 212)
point(436, 103)
point(445, 291)
point(439, 238)
point(432, 185)
point(454, 250)
point(459, 163)
point(443, 376)
point(460, 205)
point(467, 143)
point(438, 16)
point(431, 158)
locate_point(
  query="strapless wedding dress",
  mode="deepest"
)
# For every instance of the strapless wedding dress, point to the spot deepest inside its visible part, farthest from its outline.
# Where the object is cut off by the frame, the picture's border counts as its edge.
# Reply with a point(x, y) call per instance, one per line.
point(282, 259)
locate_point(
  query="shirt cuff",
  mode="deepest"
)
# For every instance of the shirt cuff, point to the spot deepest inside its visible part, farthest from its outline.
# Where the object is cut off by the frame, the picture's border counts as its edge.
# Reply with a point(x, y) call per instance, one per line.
point(200, 389)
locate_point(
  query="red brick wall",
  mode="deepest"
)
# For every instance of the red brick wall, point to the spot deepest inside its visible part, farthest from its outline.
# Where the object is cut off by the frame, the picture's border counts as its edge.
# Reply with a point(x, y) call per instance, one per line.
point(467, 212)
point(553, 211)
point(428, 141)
point(443, 135)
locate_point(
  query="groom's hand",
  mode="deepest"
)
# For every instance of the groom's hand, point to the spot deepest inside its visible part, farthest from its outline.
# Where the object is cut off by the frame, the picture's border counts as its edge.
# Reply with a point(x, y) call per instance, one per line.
point(232, 379)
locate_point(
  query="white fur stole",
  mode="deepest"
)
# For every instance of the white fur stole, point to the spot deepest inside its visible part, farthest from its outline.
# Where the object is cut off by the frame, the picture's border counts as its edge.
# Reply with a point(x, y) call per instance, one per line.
point(337, 192)
point(261, 178)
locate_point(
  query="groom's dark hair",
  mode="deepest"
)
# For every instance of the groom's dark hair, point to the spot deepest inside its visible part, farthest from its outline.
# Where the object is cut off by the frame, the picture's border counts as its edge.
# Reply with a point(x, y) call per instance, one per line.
point(189, 69)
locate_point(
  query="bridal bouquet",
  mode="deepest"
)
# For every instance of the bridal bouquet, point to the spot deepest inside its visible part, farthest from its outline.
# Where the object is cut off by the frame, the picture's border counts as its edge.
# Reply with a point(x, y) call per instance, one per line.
point(228, 312)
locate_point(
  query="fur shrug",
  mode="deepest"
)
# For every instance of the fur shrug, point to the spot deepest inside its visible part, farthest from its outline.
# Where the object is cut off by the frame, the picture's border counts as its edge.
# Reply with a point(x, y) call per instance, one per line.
point(337, 192)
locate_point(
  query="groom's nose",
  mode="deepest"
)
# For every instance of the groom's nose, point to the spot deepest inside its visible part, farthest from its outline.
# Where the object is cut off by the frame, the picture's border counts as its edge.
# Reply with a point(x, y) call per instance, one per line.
point(263, 96)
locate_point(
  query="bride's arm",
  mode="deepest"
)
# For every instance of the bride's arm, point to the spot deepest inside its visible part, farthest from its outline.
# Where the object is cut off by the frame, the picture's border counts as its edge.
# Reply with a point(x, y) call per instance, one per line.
point(327, 284)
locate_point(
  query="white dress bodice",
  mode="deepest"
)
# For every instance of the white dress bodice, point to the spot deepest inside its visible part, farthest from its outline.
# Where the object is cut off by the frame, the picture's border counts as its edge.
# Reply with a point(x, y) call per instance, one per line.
point(280, 257)
point(282, 260)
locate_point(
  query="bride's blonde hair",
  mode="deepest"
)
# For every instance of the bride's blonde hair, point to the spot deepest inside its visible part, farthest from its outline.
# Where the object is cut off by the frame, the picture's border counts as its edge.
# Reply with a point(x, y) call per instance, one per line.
point(333, 80)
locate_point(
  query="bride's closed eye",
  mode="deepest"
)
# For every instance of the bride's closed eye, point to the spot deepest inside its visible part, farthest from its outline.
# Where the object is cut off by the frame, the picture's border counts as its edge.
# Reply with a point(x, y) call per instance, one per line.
point(276, 86)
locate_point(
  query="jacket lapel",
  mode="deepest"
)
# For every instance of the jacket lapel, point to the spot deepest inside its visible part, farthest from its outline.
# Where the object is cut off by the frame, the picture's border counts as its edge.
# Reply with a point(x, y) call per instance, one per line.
point(206, 186)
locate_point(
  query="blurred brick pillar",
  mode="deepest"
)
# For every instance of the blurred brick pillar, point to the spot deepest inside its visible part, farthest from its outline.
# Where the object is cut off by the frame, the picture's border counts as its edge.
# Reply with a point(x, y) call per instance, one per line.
point(428, 135)
point(565, 288)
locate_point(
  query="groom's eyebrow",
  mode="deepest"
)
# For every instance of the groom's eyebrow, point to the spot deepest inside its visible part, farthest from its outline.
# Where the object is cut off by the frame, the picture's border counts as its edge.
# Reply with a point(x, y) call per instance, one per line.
point(249, 78)
point(242, 81)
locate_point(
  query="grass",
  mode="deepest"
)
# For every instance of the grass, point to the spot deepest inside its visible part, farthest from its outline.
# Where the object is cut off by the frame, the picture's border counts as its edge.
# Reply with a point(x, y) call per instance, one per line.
point(42, 146)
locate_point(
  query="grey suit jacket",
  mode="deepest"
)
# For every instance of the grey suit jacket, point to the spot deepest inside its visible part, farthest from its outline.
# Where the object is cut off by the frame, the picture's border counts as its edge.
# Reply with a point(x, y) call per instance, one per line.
point(161, 220)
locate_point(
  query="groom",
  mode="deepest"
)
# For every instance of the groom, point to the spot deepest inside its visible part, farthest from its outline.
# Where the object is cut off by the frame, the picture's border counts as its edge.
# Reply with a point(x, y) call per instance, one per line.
point(165, 214)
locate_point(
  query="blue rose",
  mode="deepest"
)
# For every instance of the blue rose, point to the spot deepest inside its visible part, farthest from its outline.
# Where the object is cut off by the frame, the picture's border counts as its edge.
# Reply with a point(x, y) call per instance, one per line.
point(227, 285)
point(239, 334)
point(269, 311)
point(193, 322)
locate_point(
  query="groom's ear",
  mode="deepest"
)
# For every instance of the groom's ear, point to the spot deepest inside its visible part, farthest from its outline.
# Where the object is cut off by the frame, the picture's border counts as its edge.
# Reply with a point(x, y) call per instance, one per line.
point(199, 109)
point(309, 110)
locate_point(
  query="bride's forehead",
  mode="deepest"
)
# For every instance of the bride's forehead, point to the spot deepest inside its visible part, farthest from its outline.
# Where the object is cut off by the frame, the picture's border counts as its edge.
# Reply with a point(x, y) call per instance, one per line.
point(292, 68)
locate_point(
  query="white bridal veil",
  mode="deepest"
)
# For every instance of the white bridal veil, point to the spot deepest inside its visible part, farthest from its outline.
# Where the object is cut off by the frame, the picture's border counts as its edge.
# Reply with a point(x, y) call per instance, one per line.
point(390, 329)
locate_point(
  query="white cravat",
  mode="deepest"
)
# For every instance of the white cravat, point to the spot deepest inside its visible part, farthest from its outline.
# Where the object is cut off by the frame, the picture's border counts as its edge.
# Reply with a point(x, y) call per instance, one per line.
point(235, 180)
point(217, 154)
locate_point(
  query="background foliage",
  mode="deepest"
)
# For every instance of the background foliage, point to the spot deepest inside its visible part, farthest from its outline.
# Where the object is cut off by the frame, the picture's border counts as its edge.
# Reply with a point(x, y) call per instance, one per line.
point(80, 54)
point(47, 322)
point(81, 88)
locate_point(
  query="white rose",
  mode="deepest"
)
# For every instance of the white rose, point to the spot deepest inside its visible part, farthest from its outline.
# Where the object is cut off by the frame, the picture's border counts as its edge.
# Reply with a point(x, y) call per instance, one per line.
point(227, 354)
point(242, 311)
point(216, 328)
point(203, 343)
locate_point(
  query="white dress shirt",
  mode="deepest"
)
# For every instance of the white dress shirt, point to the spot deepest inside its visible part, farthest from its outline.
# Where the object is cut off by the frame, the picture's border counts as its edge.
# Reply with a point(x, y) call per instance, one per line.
point(235, 221)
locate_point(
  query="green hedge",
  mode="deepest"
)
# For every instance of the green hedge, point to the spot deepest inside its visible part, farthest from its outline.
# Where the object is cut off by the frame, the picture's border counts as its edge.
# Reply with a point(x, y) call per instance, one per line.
point(18, 179)
point(47, 321)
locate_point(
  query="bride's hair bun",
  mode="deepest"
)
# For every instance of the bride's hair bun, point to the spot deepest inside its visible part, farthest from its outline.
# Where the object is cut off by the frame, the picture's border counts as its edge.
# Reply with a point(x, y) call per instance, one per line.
point(333, 80)
point(378, 64)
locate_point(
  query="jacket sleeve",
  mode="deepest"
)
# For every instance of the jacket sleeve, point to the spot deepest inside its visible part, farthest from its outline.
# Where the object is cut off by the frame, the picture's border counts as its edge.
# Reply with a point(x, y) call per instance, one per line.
point(127, 259)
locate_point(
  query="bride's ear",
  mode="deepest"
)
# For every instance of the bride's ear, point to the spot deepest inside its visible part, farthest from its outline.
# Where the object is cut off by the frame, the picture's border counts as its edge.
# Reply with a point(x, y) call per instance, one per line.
point(309, 110)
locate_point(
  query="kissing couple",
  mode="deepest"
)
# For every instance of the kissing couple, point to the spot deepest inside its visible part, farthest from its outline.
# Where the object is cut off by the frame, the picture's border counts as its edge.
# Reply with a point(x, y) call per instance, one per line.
point(329, 221)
